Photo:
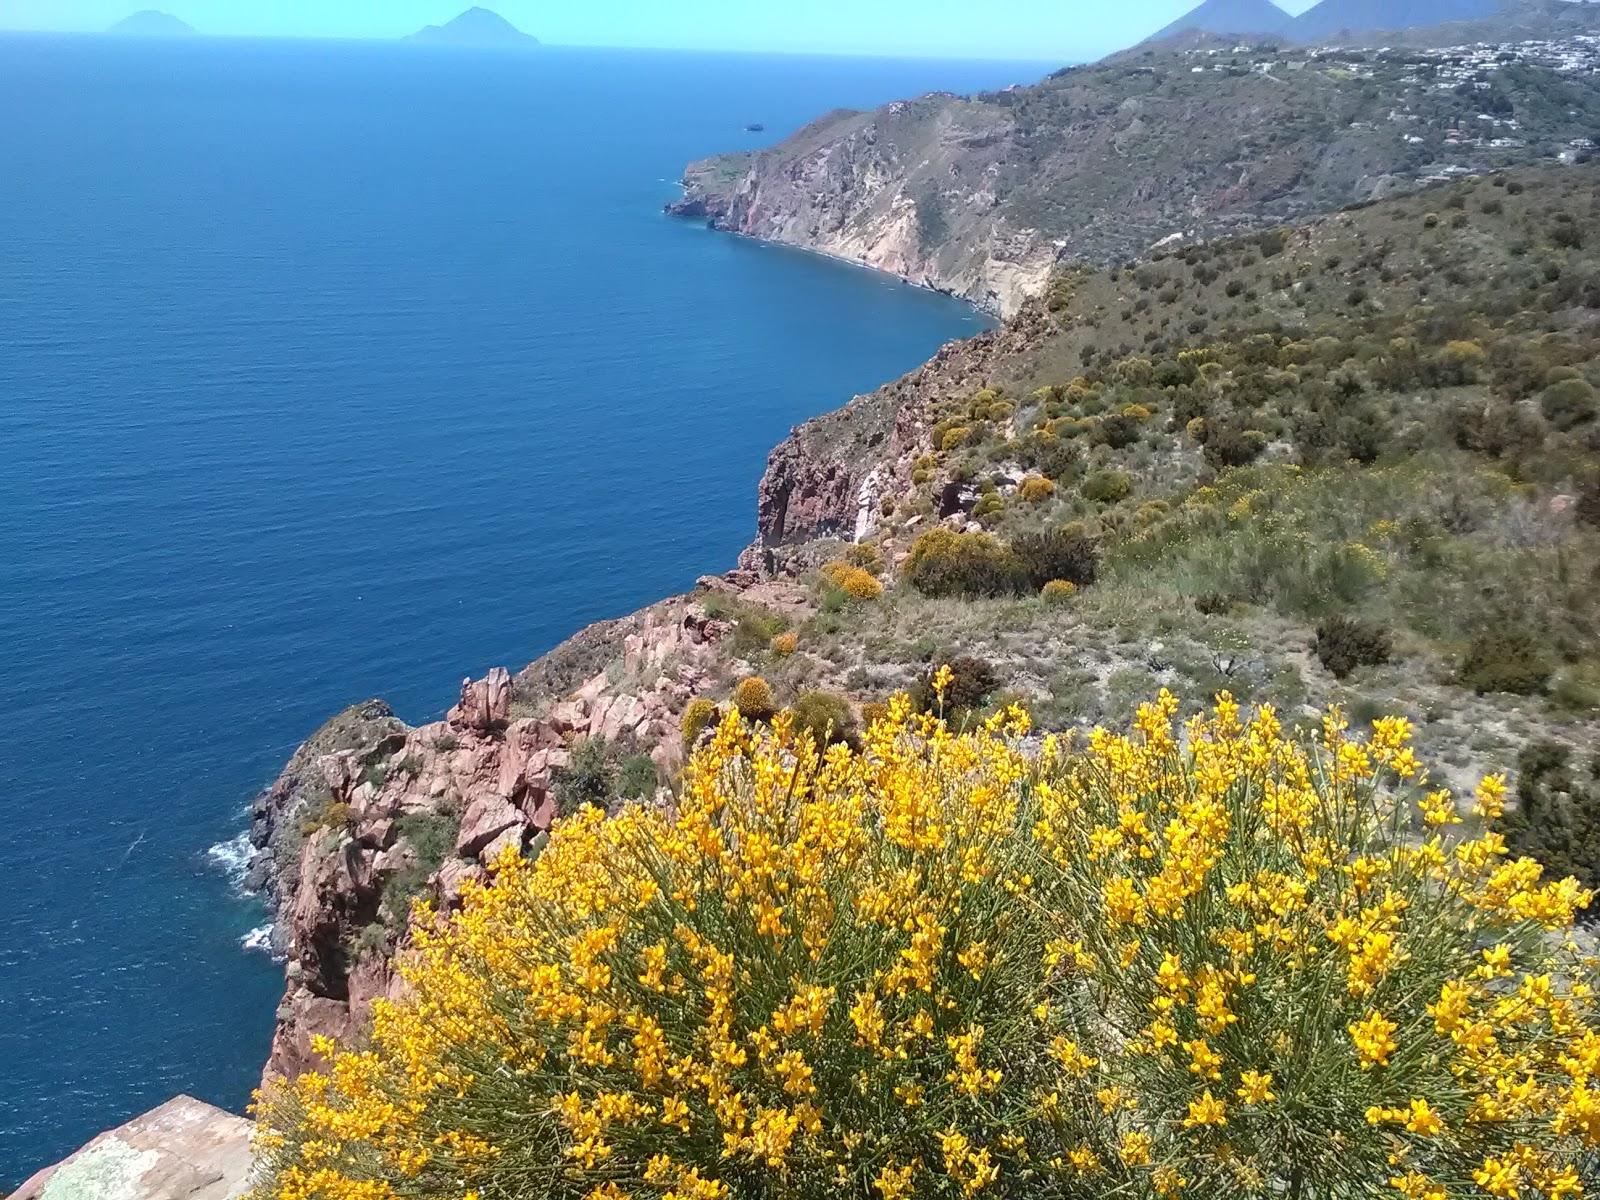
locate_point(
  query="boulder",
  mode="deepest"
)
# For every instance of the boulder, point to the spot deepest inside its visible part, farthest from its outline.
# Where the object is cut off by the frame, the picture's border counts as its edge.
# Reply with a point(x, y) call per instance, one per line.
point(485, 820)
point(485, 704)
point(184, 1150)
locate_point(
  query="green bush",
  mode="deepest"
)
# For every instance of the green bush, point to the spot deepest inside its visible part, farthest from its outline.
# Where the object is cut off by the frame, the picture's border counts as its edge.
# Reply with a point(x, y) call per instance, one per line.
point(1557, 818)
point(1057, 554)
point(826, 716)
point(1568, 403)
point(637, 777)
point(587, 779)
point(431, 836)
point(328, 815)
point(972, 681)
point(1344, 643)
point(1505, 662)
point(1107, 487)
point(1227, 446)
point(943, 562)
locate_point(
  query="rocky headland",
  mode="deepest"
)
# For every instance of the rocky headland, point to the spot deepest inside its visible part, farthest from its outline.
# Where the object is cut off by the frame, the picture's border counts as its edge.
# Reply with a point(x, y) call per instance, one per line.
point(981, 196)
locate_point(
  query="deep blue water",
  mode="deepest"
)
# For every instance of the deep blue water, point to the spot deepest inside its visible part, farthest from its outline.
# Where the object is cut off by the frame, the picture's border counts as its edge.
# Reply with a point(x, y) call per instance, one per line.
point(336, 370)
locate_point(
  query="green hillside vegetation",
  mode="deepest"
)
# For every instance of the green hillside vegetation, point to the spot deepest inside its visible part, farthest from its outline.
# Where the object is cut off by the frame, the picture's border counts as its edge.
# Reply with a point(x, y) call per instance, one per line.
point(1354, 460)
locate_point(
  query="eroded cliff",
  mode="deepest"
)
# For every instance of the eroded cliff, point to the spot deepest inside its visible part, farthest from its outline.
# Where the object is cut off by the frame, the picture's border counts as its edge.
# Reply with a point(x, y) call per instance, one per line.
point(981, 195)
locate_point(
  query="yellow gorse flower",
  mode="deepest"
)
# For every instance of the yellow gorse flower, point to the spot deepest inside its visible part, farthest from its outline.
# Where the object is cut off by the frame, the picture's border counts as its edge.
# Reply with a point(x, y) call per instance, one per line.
point(957, 965)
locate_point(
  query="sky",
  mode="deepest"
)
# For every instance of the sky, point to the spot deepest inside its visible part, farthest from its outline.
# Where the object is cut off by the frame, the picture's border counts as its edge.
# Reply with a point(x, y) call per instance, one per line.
point(1016, 29)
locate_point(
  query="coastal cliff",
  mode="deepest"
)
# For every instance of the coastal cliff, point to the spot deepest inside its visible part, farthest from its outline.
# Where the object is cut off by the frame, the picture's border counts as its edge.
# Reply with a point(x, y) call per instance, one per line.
point(1220, 445)
point(370, 813)
point(980, 196)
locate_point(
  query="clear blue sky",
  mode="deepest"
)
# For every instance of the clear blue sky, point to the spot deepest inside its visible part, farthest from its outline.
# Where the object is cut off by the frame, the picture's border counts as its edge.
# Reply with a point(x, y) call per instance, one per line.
point(1021, 29)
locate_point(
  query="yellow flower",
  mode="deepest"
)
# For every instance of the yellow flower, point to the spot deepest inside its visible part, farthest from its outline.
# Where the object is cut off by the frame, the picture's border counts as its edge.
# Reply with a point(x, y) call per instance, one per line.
point(1254, 1087)
point(1206, 1110)
point(1373, 1039)
point(1498, 1177)
point(1135, 1149)
point(894, 1183)
point(1422, 1119)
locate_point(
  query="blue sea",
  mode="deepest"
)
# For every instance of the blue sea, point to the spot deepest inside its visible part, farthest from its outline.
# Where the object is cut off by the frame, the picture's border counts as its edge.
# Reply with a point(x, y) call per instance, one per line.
point(332, 370)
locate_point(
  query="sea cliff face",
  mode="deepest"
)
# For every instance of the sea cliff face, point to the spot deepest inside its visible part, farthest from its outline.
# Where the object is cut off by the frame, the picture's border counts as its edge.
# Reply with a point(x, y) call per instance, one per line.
point(370, 813)
point(847, 186)
point(980, 196)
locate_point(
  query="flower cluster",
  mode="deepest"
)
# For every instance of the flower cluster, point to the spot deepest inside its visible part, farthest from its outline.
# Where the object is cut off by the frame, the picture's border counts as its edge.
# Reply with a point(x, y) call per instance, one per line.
point(1206, 960)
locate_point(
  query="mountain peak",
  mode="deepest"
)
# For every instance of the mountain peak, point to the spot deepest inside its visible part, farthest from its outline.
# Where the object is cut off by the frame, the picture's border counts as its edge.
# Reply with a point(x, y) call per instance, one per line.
point(151, 23)
point(478, 27)
point(1231, 16)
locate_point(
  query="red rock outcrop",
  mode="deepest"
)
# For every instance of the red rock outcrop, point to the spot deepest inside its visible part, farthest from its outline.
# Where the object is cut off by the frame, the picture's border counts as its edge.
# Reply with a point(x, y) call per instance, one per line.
point(484, 769)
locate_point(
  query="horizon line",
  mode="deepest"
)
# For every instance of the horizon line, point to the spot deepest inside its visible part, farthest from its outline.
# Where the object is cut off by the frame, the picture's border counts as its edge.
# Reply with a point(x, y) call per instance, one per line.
point(198, 35)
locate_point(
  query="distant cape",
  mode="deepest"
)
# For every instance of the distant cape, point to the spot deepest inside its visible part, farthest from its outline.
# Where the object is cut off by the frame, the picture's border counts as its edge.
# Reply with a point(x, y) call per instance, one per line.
point(477, 27)
point(150, 23)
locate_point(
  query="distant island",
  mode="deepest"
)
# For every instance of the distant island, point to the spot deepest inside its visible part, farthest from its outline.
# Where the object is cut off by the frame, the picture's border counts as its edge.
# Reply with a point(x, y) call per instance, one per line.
point(477, 27)
point(151, 23)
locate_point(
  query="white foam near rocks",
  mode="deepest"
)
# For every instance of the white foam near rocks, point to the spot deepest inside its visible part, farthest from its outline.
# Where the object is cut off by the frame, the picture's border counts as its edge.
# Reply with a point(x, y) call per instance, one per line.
point(258, 939)
point(232, 858)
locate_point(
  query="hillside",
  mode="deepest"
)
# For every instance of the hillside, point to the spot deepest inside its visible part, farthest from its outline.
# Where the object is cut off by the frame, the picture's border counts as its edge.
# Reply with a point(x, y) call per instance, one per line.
point(1333, 18)
point(150, 23)
point(981, 195)
point(477, 28)
point(1230, 16)
point(1527, 20)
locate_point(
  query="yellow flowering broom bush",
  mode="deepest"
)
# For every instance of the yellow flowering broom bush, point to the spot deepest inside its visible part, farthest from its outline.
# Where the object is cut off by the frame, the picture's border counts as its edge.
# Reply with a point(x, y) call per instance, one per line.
point(1210, 961)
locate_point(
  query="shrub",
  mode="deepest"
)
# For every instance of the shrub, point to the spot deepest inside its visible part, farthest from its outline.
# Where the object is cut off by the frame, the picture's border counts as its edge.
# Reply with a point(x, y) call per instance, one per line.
point(853, 581)
point(1505, 662)
point(1036, 489)
point(1557, 818)
point(952, 967)
point(968, 683)
point(753, 698)
point(1213, 604)
point(1227, 446)
point(872, 712)
point(954, 439)
point(1344, 643)
point(866, 556)
point(1568, 403)
point(943, 562)
point(1059, 591)
point(1107, 487)
point(697, 716)
point(1567, 235)
point(1057, 554)
point(825, 716)
point(637, 778)
point(328, 815)
point(587, 781)
point(785, 644)
point(1118, 430)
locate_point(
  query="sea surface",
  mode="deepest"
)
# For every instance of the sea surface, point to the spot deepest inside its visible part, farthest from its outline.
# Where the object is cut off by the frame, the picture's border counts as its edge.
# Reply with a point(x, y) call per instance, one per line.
point(332, 370)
